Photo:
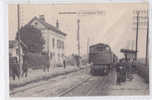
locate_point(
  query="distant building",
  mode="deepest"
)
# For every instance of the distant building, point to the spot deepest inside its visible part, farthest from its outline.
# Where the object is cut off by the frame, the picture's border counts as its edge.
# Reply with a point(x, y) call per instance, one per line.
point(129, 54)
point(54, 38)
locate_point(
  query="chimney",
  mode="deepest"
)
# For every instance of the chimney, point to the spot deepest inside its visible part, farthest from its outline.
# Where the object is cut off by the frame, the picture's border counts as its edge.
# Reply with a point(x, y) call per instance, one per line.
point(42, 17)
point(57, 24)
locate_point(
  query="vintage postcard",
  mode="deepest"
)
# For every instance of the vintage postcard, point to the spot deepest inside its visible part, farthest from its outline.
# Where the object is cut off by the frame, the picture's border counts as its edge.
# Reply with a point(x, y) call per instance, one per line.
point(69, 50)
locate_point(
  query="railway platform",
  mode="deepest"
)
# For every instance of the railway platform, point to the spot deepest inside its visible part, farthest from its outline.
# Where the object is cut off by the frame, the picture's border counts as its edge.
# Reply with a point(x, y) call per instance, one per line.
point(137, 86)
point(39, 74)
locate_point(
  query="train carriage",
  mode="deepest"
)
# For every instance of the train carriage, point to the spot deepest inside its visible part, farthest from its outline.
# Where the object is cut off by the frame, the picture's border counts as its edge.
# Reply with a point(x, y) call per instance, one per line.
point(101, 57)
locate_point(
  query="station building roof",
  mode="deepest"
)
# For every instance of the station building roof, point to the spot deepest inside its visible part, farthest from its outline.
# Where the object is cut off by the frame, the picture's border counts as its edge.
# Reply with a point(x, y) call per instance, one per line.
point(48, 26)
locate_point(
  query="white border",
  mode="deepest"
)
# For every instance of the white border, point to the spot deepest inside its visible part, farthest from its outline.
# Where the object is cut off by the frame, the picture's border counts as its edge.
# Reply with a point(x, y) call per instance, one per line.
point(73, 1)
point(4, 91)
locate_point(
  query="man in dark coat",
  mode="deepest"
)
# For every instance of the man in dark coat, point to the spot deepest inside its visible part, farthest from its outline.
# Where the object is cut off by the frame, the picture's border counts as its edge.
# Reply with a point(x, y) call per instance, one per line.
point(14, 67)
point(118, 75)
point(121, 72)
point(64, 64)
point(129, 70)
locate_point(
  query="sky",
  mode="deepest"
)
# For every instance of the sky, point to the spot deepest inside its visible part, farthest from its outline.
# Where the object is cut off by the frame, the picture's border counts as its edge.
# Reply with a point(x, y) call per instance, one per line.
point(109, 23)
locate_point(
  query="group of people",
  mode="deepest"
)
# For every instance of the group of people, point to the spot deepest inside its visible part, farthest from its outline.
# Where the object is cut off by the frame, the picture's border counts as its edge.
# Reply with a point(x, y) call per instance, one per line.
point(124, 71)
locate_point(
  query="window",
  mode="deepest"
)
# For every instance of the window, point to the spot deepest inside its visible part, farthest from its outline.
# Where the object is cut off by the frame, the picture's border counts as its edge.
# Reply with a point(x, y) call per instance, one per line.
point(10, 54)
point(53, 42)
point(107, 48)
point(62, 45)
point(51, 55)
point(18, 51)
point(58, 44)
point(58, 56)
point(35, 23)
point(62, 55)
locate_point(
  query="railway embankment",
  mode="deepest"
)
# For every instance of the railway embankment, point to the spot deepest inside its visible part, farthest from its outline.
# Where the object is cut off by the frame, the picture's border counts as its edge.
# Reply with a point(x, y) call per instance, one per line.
point(39, 75)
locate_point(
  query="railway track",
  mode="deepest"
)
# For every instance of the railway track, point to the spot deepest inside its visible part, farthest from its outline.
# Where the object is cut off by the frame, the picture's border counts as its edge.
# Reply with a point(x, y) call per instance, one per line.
point(74, 87)
point(28, 88)
point(90, 90)
point(96, 85)
point(35, 85)
point(86, 87)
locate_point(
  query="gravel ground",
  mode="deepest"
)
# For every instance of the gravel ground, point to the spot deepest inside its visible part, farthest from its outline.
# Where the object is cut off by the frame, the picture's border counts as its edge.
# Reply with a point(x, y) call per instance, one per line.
point(38, 75)
point(82, 83)
point(51, 87)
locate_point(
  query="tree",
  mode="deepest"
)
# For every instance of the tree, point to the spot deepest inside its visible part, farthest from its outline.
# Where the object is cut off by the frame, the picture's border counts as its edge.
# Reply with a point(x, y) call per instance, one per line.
point(32, 38)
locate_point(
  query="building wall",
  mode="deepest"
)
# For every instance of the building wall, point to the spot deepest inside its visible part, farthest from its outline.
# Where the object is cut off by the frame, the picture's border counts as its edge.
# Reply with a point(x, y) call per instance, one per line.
point(55, 45)
point(52, 40)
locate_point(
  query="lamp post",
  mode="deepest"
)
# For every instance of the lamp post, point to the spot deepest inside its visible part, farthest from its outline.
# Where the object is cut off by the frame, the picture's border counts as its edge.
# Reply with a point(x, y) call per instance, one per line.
point(18, 28)
point(78, 40)
point(147, 41)
point(137, 35)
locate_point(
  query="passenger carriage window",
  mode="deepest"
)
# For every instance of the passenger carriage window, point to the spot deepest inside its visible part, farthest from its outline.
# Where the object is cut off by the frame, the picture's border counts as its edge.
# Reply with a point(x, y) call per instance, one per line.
point(107, 48)
point(100, 48)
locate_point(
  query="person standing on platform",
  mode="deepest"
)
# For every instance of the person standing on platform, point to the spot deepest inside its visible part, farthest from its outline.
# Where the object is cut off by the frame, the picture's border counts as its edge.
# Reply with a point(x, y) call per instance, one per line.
point(129, 69)
point(121, 72)
point(118, 75)
point(64, 63)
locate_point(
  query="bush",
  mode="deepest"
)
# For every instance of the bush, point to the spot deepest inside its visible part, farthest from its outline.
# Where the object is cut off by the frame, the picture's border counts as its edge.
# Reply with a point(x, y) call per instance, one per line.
point(32, 38)
point(36, 60)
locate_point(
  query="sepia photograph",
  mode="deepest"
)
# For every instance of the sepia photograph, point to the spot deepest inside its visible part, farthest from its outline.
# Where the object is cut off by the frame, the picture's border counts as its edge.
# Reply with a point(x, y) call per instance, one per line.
point(78, 49)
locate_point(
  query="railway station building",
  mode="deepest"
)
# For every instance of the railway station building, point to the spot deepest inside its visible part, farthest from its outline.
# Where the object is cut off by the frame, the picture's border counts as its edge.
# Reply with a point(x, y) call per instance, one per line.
point(53, 36)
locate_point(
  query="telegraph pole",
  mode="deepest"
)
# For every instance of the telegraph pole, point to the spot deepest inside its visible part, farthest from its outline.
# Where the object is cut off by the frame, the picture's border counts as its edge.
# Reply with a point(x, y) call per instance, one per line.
point(48, 48)
point(141, 21)
point(18, 16)
point(132, 45)
point(18, 19)
point(137, 35)
point(78, 40)
point(147, 40)
point(88, 44)
point(78, 36)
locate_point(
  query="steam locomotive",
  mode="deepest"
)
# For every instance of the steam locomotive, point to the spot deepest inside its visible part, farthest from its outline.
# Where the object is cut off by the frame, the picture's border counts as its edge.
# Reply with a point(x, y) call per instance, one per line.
point(101, 58)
